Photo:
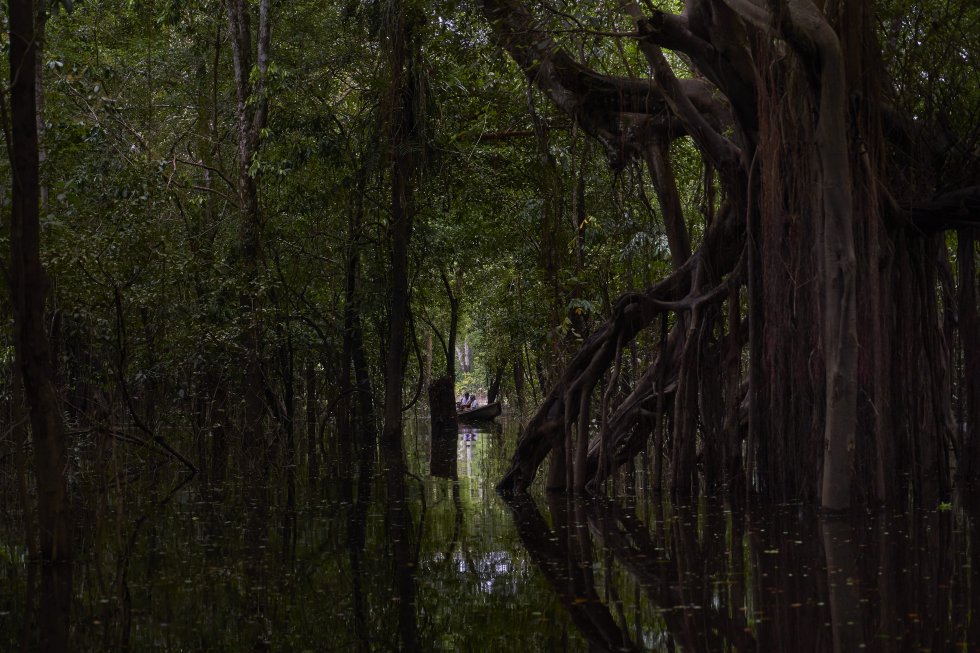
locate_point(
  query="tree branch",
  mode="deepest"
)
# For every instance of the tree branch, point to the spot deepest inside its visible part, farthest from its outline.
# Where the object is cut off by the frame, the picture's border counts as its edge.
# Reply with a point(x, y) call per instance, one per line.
point(959, 208)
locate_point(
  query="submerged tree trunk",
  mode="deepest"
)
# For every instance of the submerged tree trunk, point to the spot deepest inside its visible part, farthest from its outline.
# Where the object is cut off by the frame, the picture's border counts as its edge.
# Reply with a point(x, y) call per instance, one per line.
point(444, 427)
point(402, 125)
point(29, 288)
point(838, 271)
point(402, 130)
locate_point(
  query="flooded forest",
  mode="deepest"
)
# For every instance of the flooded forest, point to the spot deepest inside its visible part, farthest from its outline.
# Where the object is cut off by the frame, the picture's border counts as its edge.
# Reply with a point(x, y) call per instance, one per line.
point(490, 325)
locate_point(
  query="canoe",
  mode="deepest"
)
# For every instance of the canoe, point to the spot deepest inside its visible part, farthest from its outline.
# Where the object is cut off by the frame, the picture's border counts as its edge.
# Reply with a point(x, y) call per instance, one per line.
point(480, 414)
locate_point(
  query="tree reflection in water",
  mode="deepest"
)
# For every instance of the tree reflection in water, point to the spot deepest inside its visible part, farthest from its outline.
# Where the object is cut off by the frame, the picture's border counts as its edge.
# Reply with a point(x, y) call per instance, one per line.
point(776, 579)
point(364, 562)
point(564, 556)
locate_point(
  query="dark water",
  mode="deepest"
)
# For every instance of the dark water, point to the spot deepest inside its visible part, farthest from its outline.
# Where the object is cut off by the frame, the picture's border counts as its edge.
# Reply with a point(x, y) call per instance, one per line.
point(162, 564)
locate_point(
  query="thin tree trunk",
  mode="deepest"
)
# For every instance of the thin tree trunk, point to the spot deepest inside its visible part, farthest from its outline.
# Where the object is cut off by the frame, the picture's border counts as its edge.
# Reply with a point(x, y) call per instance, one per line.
point(211, 391)
point(518, 367)
point(453, 297)
point(356, 419)
point(252, 111)
point(42, 154)
point(494, 390)
point(427, 378)
point(19, 418)
point(398, 302)
point(684, 481)
point(658, 160)
point(312, 453)
point(366, 424)
point(29, 286)
point(289, 415)
point(401, 127)
point(218, 428)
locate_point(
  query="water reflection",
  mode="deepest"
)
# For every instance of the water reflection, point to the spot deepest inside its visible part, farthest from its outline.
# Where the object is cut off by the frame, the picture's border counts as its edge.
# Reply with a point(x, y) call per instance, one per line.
point(362, 562)
point(842, 584)
point(54, 607)
point(468, 436)
point(709, 579)
point(443, 447)
point(563, 555)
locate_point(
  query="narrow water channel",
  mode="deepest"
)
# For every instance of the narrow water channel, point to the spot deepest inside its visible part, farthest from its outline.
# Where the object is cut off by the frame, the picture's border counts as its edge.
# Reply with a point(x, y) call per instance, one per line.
point(165, 564)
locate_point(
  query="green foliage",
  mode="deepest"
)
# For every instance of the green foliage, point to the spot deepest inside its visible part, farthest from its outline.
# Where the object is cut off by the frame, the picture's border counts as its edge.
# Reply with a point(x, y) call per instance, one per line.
point(517, 208)
point(140, 171)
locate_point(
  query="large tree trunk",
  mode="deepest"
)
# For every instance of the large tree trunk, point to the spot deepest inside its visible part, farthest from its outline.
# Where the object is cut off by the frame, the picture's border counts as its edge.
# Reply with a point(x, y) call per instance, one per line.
point(790, 392)
point(833, 235)
point(968, 465)
point(28, 289)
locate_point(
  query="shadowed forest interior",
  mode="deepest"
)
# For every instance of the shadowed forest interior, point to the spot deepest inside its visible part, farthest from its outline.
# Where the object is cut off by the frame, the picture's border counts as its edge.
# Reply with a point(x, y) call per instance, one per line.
point(714, 261)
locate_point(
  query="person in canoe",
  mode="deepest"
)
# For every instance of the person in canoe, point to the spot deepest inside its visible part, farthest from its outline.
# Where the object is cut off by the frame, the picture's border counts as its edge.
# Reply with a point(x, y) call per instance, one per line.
point(466, 402)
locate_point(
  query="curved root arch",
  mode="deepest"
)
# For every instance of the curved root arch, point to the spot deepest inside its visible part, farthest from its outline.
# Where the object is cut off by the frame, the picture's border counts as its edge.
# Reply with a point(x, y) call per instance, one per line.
point(563, 417)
